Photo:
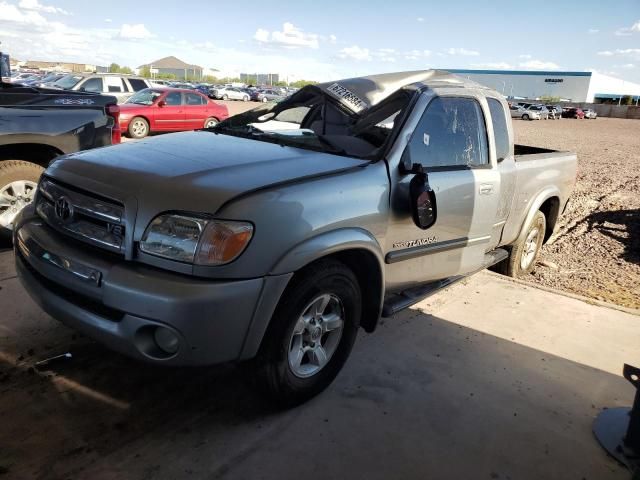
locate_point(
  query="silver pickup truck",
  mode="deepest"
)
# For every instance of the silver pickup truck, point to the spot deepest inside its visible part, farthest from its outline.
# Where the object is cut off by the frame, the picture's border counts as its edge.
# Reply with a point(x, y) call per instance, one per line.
point(275, 235)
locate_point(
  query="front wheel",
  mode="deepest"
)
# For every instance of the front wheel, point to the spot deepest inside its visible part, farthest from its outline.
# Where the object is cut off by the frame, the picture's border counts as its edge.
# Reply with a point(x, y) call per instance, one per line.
point(525, 117)
point(225, 97)
point(245, 98)
point(311, 333)
point(265, 99)
point(18, 184)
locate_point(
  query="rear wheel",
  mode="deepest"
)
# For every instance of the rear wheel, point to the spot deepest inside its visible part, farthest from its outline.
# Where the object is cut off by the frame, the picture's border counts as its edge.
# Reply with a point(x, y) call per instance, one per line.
point(311, 333)
point(18, 183)
point(525, 116)
point(523, 255)
point(245, 98)
point(138, 127)
point(210, 122)
point(225, 97)
point(265, 99)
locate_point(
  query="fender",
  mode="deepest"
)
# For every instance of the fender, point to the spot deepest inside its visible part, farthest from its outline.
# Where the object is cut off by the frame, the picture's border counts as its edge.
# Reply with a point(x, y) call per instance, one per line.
point(327, 244)
point(304, 253)
point(534, 206)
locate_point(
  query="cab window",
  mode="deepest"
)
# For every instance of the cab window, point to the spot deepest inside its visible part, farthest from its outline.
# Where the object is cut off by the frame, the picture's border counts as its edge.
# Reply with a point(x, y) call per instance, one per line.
point(451, 133)
point(173, 98)
point(500, 131)
point(92, 85)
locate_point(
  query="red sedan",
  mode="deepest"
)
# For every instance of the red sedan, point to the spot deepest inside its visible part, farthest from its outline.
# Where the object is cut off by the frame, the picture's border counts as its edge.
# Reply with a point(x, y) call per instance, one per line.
point(168, 110)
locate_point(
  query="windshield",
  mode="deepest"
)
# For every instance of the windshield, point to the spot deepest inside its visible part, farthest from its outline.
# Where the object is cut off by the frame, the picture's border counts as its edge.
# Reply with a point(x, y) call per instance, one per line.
point(311, 119)
point(144, 97)
point(68, 81)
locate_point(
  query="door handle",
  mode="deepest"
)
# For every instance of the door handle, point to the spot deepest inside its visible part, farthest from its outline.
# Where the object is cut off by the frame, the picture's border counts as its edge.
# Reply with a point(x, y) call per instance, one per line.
point(486, 189)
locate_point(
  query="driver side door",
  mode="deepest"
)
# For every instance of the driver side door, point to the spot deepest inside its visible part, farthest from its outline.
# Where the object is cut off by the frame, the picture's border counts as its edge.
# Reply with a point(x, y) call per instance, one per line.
point(451, 142)
point(171, 116)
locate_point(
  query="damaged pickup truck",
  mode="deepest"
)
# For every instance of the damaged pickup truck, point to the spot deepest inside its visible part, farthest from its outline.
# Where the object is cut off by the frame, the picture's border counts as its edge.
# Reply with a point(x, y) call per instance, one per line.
point(275, 235)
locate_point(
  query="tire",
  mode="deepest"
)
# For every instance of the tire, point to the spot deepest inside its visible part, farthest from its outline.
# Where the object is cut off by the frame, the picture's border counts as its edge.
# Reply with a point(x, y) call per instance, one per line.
point(138, 128)
point(210, 122)
point(288, 376)
point(514, 265)
point(18, 182)
point(225, 97)
point(525, 117)
point(245, 98)
point(265, 99)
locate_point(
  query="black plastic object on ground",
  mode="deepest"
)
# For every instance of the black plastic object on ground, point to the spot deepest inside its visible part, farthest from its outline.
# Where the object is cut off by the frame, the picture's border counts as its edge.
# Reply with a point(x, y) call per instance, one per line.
point(618, 429)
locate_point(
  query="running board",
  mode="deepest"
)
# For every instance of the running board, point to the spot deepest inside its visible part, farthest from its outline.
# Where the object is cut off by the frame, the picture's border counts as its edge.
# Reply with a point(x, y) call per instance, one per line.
point(397, 302)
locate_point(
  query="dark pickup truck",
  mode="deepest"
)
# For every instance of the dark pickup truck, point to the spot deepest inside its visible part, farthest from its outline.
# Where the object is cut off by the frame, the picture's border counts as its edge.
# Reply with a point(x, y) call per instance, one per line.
point(36, 126)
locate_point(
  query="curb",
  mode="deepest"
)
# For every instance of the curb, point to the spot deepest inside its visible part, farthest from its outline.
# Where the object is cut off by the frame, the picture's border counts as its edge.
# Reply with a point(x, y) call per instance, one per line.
point(574, 296)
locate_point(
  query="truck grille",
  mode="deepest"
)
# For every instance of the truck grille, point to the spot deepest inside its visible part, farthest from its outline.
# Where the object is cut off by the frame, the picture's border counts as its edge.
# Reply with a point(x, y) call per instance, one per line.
point(83, 216)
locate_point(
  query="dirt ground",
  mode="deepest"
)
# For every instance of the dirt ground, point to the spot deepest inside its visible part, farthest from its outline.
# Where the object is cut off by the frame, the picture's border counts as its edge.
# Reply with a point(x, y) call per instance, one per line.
point(596, 252)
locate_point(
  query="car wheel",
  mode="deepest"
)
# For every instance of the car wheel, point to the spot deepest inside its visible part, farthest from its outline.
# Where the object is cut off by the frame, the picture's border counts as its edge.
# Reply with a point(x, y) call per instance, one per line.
point(225, 97)
point(18, 184)
point(245, 98)
point(523, 255)
point(138, 128)
point(210, 122)
point(311, 333)
point(525, 117)
point(265, 99)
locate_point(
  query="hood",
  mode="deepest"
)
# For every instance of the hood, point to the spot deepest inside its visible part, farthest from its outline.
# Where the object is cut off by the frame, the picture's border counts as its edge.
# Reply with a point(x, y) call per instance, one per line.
point(191, 171)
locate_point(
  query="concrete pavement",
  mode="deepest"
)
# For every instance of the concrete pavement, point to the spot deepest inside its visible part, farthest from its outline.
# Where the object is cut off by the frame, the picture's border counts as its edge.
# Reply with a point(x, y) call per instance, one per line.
point(489, 379)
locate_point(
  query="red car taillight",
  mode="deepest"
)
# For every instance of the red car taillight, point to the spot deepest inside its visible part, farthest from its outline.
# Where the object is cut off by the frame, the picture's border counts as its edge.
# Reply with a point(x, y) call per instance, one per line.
point(116, 134)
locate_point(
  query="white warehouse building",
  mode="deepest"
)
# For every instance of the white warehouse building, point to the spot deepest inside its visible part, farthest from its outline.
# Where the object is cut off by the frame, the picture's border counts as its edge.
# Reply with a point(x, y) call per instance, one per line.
point(591, 87)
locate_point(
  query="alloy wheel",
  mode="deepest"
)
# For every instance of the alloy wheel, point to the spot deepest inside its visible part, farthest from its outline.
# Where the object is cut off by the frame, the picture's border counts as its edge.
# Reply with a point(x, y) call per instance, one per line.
point(13, 198)
point(316, 335)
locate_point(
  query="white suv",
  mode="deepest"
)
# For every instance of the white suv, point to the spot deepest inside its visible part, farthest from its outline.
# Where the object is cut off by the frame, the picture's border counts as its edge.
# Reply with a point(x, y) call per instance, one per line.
point(117, 85)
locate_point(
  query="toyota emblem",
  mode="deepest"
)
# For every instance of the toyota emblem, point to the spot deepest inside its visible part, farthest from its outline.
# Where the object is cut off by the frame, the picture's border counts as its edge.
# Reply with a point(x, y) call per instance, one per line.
point(64, 209)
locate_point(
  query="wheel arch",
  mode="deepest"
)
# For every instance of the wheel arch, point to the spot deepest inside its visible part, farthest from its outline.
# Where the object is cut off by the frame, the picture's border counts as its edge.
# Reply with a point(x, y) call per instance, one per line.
point(356, 248)
point(548, 202)
point(37, 153)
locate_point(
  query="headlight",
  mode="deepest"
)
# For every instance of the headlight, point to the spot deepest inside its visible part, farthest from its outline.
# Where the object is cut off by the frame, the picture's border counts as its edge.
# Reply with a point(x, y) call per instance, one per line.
point(196, 240)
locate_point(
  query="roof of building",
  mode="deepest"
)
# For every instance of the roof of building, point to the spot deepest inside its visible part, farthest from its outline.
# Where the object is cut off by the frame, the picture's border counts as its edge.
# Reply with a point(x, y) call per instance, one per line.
point(170, 63)
point(546, 73)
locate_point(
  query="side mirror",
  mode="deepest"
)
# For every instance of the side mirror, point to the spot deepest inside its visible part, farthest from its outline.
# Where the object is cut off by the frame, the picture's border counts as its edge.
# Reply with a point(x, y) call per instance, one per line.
point(423, 199)
point(161, 103)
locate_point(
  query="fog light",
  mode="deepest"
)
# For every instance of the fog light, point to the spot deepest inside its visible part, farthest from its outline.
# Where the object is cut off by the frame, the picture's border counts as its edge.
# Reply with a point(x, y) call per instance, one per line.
point(166, 340)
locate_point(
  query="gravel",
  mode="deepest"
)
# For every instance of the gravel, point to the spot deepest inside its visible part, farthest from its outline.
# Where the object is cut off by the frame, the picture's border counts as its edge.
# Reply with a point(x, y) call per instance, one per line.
point(596, 250)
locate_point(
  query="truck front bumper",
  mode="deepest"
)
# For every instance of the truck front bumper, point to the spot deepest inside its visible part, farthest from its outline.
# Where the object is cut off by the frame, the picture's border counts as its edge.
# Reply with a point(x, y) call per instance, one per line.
point(140, 311)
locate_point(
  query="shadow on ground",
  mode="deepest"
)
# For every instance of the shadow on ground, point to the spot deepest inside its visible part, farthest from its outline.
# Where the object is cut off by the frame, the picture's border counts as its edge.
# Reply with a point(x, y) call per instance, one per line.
point(421, 398)
point(621, 225)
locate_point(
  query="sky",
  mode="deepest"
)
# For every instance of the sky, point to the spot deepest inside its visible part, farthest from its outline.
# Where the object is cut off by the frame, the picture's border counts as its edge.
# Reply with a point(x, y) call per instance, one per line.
point(331, 39)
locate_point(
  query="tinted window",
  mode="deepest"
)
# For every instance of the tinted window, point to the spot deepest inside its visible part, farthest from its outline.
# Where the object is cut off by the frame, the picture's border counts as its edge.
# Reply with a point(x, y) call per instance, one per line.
point(450, 133)
point(500, 131)
point(92, 85)
point(193, 99)
point(174, 98)
point(137, 84)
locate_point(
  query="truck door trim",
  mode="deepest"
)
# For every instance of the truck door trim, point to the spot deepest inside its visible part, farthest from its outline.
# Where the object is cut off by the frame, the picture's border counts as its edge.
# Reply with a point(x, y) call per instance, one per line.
point(413, 252)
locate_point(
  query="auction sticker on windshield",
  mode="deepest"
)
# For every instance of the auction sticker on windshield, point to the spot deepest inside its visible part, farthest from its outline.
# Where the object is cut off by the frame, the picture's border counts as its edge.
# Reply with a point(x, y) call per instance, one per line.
point(352, 101)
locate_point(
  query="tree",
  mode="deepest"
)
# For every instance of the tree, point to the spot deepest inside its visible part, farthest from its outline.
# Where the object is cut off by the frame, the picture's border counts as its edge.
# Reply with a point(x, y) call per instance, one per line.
point(549, 99)
point(302, 83)
point(145, 71)
point(626, 100)
point(126, 70)
point(114, 68)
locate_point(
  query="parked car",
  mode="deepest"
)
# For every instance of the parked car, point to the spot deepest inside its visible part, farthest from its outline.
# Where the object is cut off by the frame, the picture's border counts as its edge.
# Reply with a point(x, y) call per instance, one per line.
point(555, 112)
point(266, 95)
point(543, 113)
point(518, 111)
point(231, 93)
point(44, 124)
point(120, 86)
point(168, 110)
point(160, 83)
point(249, 241)
point(589, 113)
point(572, 112)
